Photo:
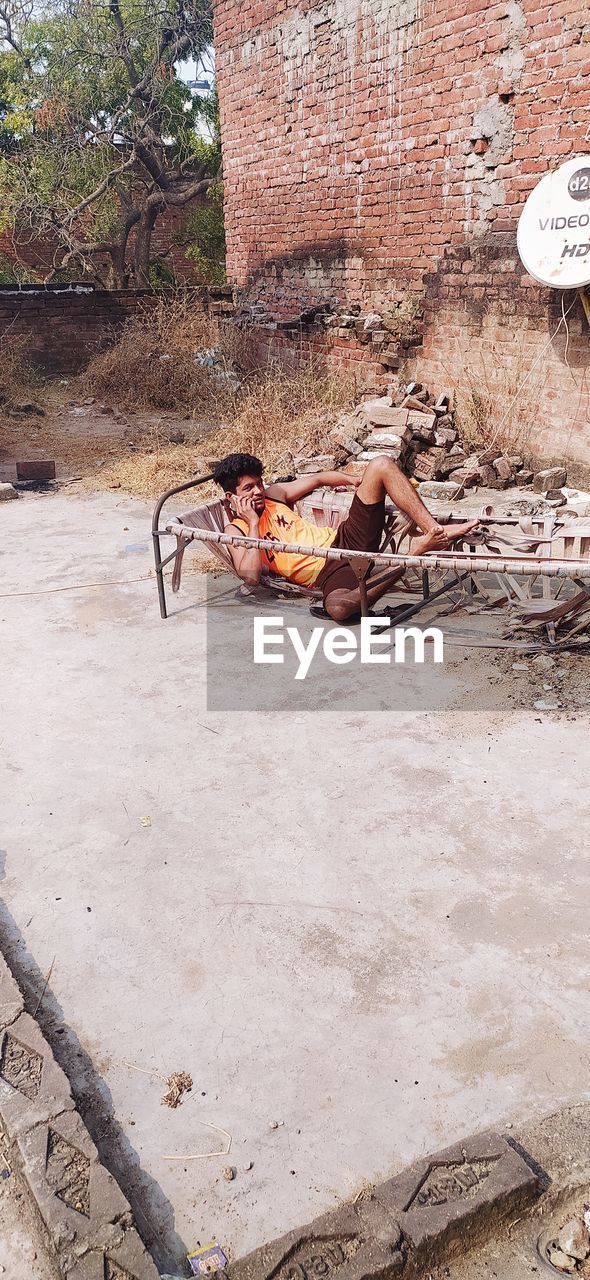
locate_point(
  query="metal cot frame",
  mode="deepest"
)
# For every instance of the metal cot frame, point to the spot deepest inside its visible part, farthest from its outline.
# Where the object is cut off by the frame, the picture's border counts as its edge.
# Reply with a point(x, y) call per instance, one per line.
point(464, 565)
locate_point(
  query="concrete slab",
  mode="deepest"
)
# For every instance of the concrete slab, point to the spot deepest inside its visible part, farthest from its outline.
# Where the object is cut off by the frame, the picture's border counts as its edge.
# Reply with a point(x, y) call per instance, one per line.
point(33, 1088)
point(369, 927)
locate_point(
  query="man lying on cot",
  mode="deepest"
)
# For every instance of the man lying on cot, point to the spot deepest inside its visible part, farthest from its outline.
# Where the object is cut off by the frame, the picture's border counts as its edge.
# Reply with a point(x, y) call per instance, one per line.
point(267, 512)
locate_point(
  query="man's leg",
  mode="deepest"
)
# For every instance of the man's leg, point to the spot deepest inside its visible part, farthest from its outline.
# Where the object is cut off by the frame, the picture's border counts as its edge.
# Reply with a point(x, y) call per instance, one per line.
point(383, 477)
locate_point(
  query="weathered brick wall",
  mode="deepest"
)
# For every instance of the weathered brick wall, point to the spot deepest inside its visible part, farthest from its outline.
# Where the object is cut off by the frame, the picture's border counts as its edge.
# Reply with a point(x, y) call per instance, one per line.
point(169, 243)
point(64, 329)
point(375, 149)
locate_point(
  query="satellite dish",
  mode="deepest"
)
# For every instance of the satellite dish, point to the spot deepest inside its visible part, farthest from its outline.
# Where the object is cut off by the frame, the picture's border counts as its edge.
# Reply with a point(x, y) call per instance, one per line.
point(554, 227)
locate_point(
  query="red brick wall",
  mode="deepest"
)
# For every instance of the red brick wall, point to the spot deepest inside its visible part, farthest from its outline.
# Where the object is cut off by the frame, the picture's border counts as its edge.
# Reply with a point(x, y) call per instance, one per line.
point(64, 329)
point(40, 257)
point(379, 148)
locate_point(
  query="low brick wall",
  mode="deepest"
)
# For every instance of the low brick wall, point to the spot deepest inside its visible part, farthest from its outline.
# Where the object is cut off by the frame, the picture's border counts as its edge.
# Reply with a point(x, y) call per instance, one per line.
point(64, 328)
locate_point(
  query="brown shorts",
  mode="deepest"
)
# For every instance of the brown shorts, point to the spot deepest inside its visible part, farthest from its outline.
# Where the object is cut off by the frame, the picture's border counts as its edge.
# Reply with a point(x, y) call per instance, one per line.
point(361, 531)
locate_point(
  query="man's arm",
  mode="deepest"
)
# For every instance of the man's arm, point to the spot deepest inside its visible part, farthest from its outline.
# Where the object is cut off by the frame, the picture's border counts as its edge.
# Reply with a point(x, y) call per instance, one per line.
point(293, 490)
point(247, 561)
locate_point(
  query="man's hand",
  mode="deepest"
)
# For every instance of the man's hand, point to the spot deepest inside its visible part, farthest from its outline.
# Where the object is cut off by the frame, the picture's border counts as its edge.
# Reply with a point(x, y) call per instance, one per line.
point(245, 510)
point(345, 479)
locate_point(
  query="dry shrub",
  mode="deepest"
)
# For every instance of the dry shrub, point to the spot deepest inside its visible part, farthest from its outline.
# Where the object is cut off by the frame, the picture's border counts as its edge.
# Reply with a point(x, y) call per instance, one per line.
point(152, 365)
point(275, 413)
point(498, 402)
point(282, 414)
point(16, 373)
point(278, 415)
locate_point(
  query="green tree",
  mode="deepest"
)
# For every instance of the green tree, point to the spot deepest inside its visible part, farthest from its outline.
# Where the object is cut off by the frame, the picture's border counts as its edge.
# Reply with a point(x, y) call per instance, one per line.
point(204, 231)
point(100, 135)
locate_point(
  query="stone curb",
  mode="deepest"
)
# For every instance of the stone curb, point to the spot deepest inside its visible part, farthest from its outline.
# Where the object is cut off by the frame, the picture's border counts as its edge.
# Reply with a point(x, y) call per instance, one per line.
point(437, 1209)
point(87, 1221)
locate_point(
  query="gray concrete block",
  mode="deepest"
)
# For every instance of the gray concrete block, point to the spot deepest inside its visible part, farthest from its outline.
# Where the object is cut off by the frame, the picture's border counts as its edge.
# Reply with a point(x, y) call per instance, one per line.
point(452, 1200)
point(32, 1086)
point(133, 1258)
point(422, 1217)
point(11, 998)
point(340, 1244)
point(127, 1261)
point(79, 1202)
point(551, 478)
point(442, 490)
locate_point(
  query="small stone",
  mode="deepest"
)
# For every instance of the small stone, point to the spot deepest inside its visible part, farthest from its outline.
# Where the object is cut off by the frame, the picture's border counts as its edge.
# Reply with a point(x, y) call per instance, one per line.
point(543, 662)
point(307, 466)
point(542, 705)
point(445, 436)
point(229, 1173)
point(274, 1124)
point(443, 490)
point(368, 455)
point(519, 666)
point(345, 441)
point(503, 469)
point(177, 437)
point(25, 410)
point(551, 478)
point(574, 1239)
point(385, 442)
point(36, 469)
point(7, 492)
point(454, 462)
point(373, 322)
point(561, 1260)
point(379, 413)
point(356, 469)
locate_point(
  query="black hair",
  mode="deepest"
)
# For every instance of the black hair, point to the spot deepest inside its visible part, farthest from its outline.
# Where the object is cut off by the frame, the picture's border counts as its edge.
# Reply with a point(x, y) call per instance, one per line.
point(230, 470)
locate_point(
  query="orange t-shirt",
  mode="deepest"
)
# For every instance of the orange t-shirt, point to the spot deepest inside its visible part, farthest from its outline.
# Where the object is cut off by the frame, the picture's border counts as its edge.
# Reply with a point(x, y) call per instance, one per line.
point(278, 522)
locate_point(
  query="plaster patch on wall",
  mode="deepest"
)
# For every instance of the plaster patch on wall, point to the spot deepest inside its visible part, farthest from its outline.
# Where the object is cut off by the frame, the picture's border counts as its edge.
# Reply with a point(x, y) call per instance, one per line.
point(511, 60)
point(494, 124)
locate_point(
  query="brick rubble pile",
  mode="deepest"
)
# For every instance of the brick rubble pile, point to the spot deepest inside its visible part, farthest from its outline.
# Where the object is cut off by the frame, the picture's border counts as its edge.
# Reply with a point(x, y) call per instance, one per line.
point(419, 431)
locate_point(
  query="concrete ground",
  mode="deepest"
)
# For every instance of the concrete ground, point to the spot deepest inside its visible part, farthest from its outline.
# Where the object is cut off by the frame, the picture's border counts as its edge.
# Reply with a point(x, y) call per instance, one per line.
point(360, 918)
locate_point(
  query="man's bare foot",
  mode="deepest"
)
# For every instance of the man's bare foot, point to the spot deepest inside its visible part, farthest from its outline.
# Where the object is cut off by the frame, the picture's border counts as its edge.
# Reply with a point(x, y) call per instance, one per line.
point(441, 537)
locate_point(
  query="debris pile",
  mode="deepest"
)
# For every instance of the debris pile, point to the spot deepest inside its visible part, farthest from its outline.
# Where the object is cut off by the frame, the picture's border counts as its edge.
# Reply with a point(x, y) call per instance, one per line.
point(570, 1251)
point(391, 335)
point(178, 1084)
point(419, 431)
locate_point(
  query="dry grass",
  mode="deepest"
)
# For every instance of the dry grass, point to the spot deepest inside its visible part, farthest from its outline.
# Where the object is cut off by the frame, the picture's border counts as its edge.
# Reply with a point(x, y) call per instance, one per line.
point(278, 416)
point(152, 365)
point(275, 414)
point(493, 405)
point(16, 374)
